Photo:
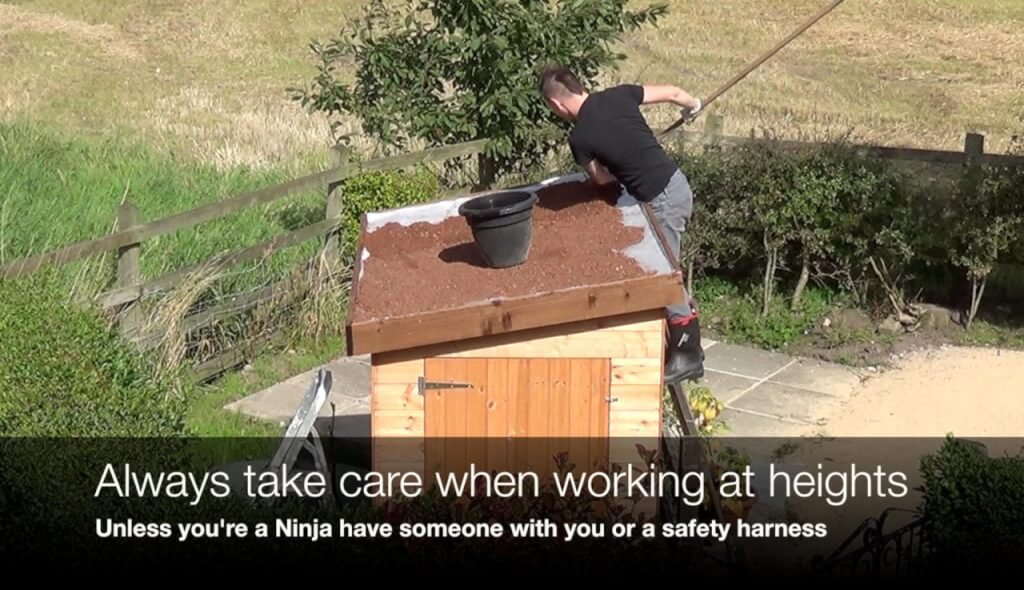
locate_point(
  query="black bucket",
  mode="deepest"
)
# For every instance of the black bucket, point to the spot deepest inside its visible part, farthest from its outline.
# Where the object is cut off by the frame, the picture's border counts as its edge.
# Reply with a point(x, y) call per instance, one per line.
point(502, 225)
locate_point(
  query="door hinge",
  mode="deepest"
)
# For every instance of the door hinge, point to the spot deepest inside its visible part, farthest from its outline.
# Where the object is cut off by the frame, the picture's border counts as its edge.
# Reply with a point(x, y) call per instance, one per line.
point(425, 385)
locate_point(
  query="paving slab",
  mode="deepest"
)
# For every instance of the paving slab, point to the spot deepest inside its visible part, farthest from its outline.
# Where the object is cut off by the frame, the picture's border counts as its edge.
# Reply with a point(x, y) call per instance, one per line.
point(744, 424)
point(743, 361)
point(819, 376)
point(351, 377)
point(350, 390)
point(767, 394)
point(727, 387)
point(786, 402)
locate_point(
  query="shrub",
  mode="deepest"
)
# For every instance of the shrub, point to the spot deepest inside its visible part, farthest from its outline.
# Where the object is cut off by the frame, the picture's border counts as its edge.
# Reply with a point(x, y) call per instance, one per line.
point(826, 214)
point(63, 372)
point(974, 505)
point(383, 190)
point(987, 225)
point(719, 233)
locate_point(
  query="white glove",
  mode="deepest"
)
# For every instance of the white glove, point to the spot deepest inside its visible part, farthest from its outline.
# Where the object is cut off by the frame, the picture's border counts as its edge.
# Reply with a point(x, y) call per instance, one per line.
point(689, 113)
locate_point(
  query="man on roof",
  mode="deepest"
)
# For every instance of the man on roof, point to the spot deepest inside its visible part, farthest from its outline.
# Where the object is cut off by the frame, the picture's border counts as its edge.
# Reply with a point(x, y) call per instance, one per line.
point(612, 142)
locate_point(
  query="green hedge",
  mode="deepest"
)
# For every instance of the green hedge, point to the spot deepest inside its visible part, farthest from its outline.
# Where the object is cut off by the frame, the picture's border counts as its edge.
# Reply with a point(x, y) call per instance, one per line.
point(877, 230)
point(376, 191)
point(974, 505)
point(63, 372)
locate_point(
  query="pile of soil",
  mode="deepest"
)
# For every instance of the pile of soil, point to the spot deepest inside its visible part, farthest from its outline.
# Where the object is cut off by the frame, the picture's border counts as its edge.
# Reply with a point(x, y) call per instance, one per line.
point(854, 338)
point(578, 234)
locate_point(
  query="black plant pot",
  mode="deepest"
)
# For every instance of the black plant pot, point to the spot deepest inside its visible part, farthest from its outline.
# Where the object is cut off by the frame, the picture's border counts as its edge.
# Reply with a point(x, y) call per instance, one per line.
point(502, 225)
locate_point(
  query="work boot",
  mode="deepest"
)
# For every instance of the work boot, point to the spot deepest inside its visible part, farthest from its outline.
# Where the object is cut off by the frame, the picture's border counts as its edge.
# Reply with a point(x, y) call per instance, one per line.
point(684, 359)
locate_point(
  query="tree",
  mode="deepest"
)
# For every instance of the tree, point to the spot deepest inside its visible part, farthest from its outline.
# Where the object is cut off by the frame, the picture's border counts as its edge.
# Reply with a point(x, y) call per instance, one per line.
point(447, 71)
point(989, 220)
point(766, 178)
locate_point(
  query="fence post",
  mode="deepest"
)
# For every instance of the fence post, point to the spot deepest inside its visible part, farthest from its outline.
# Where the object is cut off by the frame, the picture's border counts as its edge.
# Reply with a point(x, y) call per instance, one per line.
point(974, 146)
point(335, 205)
point(128, 271)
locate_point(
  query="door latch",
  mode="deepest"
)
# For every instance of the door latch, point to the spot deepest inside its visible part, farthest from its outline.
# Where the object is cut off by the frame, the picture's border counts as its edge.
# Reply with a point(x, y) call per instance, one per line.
point(424, 385)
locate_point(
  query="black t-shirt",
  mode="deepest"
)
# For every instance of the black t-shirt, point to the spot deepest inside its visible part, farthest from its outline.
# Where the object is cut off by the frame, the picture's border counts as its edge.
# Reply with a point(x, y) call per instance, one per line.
point(611, 129)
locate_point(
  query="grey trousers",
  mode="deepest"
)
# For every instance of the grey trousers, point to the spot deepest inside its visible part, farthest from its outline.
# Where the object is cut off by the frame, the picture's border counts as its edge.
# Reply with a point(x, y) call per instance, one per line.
point(672, 209)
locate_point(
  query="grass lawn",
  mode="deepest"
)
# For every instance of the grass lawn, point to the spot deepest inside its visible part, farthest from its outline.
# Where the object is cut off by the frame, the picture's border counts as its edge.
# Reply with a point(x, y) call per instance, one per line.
point(57, 189)
point(207, 416)
point(209, 79)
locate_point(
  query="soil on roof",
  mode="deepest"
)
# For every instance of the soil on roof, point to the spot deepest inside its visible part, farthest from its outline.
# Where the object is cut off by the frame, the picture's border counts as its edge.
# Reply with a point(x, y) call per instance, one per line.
point(578, 236)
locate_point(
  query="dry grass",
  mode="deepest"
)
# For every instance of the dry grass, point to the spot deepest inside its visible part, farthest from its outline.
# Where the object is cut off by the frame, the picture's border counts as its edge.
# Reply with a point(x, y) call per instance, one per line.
point(915, 73)
point(168, 316)
point(209, 77)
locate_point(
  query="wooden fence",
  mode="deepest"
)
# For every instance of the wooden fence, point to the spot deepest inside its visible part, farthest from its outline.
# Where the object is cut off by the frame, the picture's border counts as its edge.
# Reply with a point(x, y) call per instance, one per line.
point(127, 241)
point(972, 154)
point(131, 287)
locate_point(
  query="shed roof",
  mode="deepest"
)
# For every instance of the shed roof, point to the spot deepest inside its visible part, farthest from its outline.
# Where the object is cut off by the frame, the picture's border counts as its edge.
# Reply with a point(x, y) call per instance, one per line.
point(420, 280)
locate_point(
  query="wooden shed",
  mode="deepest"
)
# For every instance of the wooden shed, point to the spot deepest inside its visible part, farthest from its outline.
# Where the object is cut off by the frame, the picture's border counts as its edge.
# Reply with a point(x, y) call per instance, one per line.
point(565, 350)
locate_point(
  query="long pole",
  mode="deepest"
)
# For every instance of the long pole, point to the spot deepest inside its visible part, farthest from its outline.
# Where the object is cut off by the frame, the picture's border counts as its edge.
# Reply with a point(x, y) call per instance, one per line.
point(753, 66)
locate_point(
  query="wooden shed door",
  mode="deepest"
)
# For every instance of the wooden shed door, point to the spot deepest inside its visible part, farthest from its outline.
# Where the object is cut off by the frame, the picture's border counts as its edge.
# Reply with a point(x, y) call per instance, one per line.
point(517, 414)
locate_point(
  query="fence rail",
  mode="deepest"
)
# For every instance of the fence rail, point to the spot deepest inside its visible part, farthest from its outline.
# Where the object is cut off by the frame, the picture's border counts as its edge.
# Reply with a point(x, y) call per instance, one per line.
point(973, 152)
point(139, 233)
point(130, 287)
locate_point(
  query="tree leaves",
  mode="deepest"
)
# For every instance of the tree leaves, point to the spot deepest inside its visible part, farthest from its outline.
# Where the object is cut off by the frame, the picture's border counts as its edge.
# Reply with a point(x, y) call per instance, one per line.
point(487, 53)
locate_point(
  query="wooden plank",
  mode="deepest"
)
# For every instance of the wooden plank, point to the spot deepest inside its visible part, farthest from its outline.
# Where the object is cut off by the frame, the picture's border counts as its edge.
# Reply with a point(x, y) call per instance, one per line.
point(532, 343)
point(396, 396)
point(635, 397)
point(866, 151)
point(586, 396)
point(498, 429)
point(164, 282)
point(511, 315)
point(599, 412)
point(537, 424)
point(401, 372)
point(646, 371)
point(234, 356)
point(519, 412)
point(640, 425)
point(455, 419)
point(398, 424)
point(232, 307)
point(476, 413)
point(610, 344)
point(334, 206)
point(561, 398)
point(433, 412)
point(212, 211)
point(128, 271)
point(648, 321)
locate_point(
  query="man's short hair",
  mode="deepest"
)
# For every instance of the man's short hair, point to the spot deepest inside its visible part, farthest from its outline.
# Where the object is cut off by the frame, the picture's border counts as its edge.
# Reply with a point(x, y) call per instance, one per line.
point(559, 82)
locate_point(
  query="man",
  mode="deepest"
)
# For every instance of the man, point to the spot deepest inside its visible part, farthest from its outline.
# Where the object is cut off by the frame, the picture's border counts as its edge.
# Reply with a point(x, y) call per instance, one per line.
point(613, 143)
